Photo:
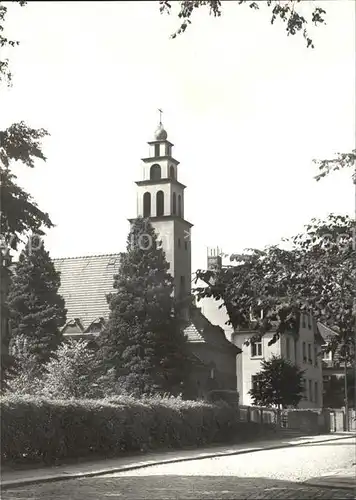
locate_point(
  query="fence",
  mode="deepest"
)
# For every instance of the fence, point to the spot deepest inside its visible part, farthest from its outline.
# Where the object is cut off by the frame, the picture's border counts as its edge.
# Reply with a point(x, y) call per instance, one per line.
point(338, 420)
point(313, 421)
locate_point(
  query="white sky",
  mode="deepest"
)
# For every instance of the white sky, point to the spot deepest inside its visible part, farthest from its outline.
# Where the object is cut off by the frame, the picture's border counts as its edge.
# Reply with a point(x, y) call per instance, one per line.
point(247, 108)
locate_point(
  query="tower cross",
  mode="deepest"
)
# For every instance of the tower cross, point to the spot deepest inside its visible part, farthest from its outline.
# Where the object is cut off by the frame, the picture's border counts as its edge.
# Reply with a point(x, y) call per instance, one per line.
point(160, 116)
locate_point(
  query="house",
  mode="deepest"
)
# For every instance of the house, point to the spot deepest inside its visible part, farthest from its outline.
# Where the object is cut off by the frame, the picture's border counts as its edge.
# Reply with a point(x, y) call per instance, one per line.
point(303, 350)
point(333, 368)
point(86, 281)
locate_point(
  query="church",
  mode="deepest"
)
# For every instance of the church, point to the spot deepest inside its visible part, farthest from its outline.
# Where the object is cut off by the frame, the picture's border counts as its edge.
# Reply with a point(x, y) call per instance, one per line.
point(86, 281)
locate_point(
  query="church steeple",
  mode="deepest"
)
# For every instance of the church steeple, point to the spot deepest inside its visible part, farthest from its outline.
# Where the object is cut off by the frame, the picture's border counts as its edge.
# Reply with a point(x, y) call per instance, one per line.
point(160, 196)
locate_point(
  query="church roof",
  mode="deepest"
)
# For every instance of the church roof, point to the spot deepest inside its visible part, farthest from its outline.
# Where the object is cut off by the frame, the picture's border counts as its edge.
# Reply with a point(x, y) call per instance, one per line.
point(85, 282)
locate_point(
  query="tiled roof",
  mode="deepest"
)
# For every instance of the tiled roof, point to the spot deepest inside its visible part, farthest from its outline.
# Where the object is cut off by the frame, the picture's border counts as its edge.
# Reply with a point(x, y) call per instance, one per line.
point(85, 282)
point(326, 332)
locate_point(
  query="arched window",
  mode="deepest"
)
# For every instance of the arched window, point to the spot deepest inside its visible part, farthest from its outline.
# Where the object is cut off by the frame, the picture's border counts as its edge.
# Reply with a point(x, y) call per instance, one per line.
point(147, 204)
point(179, 205)
point(171, 172)
point(160, 203)
point(174, 208)
point(155, 172)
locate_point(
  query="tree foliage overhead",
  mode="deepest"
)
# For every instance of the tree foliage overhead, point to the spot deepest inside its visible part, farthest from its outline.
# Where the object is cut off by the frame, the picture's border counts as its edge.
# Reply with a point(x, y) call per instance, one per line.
point(269, 288)
point(5, 74)
point(289, 12)
point(35, 307)
point(342, 161)
point(279, 384)
point(144, 340)
point(20, 214)
point(19, 142)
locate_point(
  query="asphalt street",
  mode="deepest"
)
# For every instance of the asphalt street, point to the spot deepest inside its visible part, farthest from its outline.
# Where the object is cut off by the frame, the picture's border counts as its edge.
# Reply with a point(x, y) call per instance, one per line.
point(279, 473)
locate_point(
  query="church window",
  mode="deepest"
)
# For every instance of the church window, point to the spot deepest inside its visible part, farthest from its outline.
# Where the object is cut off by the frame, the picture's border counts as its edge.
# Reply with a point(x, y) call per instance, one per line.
point(171, 172)
point(178, 242)
point(160, 203)
point(179, 205)
point(157, 150)
point(174, 208)
point(168, 149)
point(186, 245)
point(155, 172)
point(147, 204)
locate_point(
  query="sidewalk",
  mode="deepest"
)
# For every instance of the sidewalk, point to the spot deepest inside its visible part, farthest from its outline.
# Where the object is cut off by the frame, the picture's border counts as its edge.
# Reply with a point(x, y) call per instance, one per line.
point(88, 469)
point(340, 479)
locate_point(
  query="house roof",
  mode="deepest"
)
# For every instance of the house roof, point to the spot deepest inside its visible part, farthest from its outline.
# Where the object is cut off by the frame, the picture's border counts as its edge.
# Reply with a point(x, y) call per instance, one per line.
point(326, 332)
point(85, 282)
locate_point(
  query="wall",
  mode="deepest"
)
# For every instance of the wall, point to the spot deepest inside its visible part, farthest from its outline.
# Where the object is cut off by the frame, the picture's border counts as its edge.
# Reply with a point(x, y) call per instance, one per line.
point(313, 367)
point(248, 366)
point(223, 361)
point(210, 308)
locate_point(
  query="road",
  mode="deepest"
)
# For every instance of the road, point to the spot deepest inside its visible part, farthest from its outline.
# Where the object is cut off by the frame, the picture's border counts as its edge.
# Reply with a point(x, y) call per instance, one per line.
point(272, 474)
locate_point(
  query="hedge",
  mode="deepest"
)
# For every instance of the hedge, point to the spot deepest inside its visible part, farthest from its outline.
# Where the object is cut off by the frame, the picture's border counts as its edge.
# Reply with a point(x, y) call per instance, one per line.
point(36, 429)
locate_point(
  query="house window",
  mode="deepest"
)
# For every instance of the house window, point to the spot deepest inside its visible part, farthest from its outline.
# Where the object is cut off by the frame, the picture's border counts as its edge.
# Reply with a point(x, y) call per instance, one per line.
point(255, 382)
point(315, 356)
point(212, 373)
point(316, 396)
point(304, 352)
point(309, 322)
point(256, 349)
point(310, 390)
point(147, 204)
point(310, 354)
point(157, 150)
point(288, 347)
point(327, 356)
point(155, 172)
point(305, 388)
point(159, 203)
point(174, 208)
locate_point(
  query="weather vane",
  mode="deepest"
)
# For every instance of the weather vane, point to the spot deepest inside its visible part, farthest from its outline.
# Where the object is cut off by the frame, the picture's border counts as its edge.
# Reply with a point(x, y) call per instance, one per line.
point(160, 116)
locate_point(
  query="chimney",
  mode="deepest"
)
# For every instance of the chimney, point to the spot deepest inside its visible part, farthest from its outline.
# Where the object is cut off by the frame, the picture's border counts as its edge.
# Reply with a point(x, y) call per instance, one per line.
point(214, 260)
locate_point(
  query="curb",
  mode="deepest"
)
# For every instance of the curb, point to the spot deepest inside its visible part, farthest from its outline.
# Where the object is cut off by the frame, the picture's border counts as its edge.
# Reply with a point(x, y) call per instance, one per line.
point(124, 468)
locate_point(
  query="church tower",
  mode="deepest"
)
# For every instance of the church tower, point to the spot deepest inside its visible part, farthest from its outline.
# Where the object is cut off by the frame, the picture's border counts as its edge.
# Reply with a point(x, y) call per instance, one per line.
point(160, 196)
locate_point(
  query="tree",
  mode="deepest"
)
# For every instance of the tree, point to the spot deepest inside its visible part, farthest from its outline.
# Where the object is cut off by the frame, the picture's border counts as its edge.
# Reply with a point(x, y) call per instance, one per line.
point(72, 373)
point(36, 309)
point(269, 288)
point(342, 161)
point(288, 12)
point(19, 214)
point(334, 387)
point(26, 377)
point(144, 340)
point(5, 74)
point(279, 383)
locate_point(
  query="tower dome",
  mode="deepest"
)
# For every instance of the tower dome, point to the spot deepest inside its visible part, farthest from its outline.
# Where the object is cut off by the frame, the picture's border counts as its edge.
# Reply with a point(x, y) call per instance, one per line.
point(161, 134)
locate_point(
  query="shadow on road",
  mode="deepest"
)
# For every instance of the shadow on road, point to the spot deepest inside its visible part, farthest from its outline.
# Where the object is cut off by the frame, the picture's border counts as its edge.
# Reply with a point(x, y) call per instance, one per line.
point(174, 487)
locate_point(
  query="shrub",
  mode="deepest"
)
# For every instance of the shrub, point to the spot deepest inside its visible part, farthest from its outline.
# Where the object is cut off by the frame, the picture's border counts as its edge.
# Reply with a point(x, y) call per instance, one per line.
point(37, 429)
